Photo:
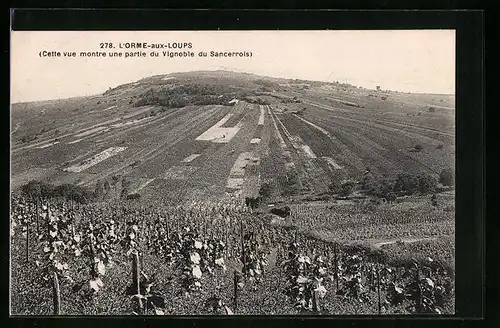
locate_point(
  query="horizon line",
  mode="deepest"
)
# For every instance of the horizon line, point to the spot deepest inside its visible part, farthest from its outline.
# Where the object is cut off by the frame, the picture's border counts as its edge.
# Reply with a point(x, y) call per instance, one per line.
point(240, 72)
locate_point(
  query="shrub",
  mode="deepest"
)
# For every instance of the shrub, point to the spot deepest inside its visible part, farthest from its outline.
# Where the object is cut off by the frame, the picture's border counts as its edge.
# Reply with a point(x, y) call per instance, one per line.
point(390, 197)
point(73, 192)
point(290, 182)
point(28, 138)
point(418, 147)
point(440, 146)
point(378, 187)
point(133, 196)
point(107, 186)
point(347, 188)
point(406, 184)
point(447, 177)
point(38, 189)
point(125, 188)
point(432, 109)
point(281, 211)
point(367, 181)
point(427, 183)
point(265, 83)
point(434, 200)
point(266, 190)
point(333, 187)
point(253, 202)
point(449, 208)
point(176, 101)
point(99, 190)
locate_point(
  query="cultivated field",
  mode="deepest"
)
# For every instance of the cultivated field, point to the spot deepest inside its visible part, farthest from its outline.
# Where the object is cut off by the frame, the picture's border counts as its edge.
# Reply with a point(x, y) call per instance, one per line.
point(230, 193)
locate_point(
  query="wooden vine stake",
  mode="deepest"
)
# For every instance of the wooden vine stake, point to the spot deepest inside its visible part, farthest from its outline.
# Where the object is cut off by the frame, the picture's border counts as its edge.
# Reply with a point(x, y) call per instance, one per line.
point(335, 262)
point(235, 287)
point(136, 278)
point(56, 294)
point(27, 239)
point(37, 204)
point(225, 239)
point(243, 249)
point(168, 228)
point(378, 292)
point(418, 305)
point(315, 300)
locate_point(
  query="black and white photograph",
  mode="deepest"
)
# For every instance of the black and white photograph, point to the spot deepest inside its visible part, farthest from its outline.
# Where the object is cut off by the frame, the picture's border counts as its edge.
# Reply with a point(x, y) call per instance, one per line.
point(219, 173)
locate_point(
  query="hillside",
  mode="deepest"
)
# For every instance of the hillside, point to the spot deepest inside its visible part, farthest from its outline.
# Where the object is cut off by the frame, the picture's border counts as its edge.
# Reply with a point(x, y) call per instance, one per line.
point(243, 164)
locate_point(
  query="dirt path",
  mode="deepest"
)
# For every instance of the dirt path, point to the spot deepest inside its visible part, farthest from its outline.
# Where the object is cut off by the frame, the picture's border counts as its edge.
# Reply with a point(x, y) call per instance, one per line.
point(18, 125)
point(381, 120)
point(404, 240)
point(377, 243)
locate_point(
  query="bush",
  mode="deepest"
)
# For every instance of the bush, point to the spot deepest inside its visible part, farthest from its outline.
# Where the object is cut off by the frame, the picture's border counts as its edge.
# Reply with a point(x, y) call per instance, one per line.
point(418, 147)
point(407, 184)
point(434, 200)
point(449, 208)
point(72, 192)
point(378, 187)
point(281, 211)
point(253, 202)
point(134, 196)
point(367, 181)
point(347, 188)
point(28, 138)
point(266, 190)
point(290, 182)
point(125, 188)
point(301, 111)
point(38, 189)
point(99, 190)
point(432, 109)
point(333, 187)
point(447, 177)
point(427, 184)
point(390, 197)
point(265, 83)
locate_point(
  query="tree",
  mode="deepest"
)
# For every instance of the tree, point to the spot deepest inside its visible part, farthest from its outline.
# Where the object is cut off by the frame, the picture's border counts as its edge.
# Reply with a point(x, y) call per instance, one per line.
point(447, 177)
point(381, 187)
point(33, 189)
point(426, 183)
point(406, 183)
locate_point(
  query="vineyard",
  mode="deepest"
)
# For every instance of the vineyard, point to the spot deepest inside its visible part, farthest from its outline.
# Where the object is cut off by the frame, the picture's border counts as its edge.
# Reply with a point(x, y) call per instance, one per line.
point(225, 193)
point(111, 258)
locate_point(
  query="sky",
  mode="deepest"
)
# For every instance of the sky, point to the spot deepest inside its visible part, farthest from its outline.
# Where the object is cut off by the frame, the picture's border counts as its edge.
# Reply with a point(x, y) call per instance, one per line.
point(400, 60)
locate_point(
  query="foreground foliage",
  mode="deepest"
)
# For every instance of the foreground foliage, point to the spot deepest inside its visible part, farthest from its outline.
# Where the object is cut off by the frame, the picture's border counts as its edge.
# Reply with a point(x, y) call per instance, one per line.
point(203, 259)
